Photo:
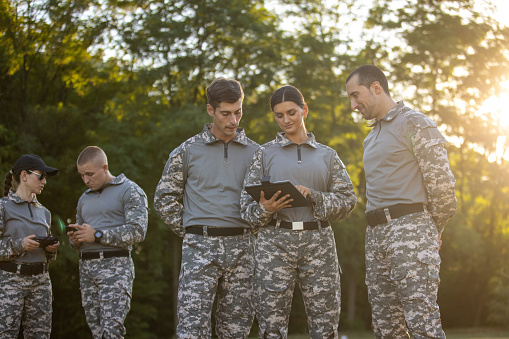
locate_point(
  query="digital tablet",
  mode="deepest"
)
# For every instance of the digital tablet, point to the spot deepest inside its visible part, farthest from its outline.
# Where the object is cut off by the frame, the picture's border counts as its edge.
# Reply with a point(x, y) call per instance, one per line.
point(270, 188)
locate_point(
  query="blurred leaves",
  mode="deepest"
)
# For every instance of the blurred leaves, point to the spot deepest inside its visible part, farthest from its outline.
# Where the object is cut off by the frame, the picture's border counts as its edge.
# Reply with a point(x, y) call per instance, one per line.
point(130, 77)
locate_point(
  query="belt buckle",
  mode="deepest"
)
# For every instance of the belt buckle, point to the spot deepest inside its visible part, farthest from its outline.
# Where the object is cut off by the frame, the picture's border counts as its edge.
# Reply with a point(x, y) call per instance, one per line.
point(387, 214)
point(297, 225)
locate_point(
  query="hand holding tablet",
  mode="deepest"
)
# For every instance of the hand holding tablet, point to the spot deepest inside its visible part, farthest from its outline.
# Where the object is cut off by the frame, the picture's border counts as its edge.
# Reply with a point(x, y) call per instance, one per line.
point(270, 188)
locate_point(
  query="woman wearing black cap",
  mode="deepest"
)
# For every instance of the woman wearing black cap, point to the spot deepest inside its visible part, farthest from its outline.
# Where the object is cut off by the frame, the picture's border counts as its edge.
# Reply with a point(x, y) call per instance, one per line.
point(26, 287)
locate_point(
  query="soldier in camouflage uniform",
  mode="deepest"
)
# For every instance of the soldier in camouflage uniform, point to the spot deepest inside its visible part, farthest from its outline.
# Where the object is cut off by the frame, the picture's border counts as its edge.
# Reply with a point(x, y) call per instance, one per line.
point(112, 216)
point(410, 197)
point(25, 286)
point(207, 172)
point(296, 245)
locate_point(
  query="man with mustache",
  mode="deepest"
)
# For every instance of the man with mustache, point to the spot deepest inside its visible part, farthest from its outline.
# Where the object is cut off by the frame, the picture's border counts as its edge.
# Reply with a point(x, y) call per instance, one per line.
point(198, 197)
point(410, 196)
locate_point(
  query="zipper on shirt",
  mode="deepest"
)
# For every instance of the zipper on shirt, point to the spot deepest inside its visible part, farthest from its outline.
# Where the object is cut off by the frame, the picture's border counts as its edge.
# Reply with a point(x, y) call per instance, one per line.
point(30, 209)
point(379, 130)
point(225, 152)
point(299, 156)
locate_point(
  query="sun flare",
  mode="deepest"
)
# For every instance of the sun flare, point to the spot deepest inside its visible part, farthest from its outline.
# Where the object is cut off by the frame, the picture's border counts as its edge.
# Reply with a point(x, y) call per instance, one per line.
point(496, 109)
point(496, 106)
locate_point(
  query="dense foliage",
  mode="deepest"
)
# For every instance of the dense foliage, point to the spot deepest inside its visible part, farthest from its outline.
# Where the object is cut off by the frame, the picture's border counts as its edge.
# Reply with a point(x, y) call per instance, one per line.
point(130, 76)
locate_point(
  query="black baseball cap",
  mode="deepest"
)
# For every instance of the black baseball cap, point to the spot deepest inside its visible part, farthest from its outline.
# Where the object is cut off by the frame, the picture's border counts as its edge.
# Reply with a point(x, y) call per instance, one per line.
point(30, 162)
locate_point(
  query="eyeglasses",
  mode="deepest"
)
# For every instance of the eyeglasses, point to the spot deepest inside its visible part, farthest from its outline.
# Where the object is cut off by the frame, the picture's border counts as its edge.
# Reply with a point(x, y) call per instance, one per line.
point(41, 175)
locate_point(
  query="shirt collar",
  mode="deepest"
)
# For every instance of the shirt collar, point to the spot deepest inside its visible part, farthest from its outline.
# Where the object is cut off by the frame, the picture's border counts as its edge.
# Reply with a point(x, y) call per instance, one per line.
point(391, 114)
point(12, 196)
point(209, 138)
point(116, 181)
point(283, 140)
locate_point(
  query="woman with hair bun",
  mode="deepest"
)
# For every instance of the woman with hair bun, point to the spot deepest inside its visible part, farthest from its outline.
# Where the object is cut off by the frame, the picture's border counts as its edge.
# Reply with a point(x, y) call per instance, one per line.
point(296, 244)
point(25, 295)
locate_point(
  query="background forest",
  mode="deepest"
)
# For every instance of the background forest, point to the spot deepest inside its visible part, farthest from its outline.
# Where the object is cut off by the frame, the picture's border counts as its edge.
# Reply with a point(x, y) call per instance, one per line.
point(130, 76)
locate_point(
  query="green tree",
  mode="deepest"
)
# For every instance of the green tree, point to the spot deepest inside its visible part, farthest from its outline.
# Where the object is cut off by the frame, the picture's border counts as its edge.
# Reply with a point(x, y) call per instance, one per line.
point(448, 60)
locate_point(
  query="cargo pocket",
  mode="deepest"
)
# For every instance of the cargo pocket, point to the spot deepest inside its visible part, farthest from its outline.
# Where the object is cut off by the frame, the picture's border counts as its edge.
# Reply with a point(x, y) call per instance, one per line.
point(275, 295)
point(324, 298)
point(417, 279)
point(274, 304)
point(193, 295)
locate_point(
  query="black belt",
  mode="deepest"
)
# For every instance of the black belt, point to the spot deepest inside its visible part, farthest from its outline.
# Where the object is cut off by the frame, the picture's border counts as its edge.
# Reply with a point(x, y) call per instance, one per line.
point(216, 231)
point(24, 269)
point(105, 254)
point(379, 216)
point(300, 225)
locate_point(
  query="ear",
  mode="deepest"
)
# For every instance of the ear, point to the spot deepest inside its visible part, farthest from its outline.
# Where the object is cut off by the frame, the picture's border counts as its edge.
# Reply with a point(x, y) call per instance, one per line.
point(376, 88)
point(23, 175)
point(210, 110)
point(105, 168)
point(305, 110)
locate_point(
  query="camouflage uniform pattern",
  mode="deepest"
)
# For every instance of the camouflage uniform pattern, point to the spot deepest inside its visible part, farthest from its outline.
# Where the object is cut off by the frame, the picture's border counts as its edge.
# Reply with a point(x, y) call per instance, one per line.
point(402, 275)
point(28, 298)
point(402, 256)
point(432, 157)
point(286, 257)
point(136, 218)
point(23, 297)
point(283, 257)
point(222, 265)
point(106, 283)
point(336, 204)
point(106, 290)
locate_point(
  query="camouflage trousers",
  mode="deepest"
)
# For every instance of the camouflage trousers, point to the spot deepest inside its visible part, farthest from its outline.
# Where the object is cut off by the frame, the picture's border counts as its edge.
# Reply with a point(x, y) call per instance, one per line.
point(284, 257)
point(106, 288)
point(25, 299)
point(222, 265)
point(402, 275)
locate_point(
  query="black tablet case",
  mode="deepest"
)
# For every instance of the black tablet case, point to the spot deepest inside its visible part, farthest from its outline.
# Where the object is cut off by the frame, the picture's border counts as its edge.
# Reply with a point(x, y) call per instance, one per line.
point(270, 188)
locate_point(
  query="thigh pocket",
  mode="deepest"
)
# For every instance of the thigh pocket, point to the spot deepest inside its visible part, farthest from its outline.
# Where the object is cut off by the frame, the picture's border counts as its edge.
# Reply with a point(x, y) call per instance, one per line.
point(275, 295)
point(324, 298)
point(418, 279)
point(194, 292)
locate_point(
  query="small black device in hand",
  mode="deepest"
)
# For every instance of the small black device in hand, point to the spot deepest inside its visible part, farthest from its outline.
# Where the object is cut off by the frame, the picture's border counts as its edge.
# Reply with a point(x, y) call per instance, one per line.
point(46, 241)
point(70, 229)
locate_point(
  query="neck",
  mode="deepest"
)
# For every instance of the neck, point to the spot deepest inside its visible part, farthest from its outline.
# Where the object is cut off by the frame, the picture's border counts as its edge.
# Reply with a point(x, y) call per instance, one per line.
point(24, 193)
point(110, 179)
point(386, 107)
point(298, 138)
point(220, 136)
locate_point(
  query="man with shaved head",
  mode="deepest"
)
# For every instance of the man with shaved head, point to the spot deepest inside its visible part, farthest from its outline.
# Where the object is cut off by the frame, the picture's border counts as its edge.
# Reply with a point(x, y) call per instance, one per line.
point(112, 216)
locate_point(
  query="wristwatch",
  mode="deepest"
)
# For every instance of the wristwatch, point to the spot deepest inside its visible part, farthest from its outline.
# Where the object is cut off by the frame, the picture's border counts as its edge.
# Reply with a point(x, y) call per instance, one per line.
point(98, 236)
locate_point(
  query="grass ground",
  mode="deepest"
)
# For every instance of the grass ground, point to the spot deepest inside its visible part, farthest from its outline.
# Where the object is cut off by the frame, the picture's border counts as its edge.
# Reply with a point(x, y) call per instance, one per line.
point(474, 333)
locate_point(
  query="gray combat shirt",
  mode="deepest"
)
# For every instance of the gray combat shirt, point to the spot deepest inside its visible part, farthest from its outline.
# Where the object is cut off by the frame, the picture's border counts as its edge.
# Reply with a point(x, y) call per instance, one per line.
point(120, 210)
point(208, 175)
point(405, 162)
point(19, 219)
point(310, 164)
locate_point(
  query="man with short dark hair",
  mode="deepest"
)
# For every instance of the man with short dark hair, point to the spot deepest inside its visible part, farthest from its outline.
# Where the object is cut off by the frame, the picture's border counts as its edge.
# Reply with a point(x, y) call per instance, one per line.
point(112, 215)
point(207, 172)
point(410, 197)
